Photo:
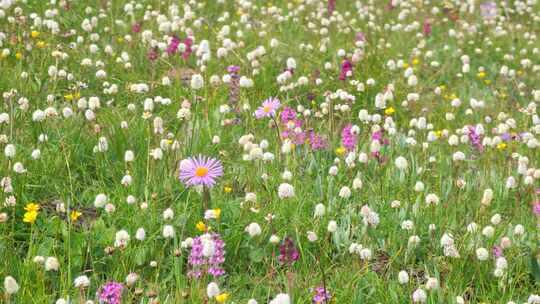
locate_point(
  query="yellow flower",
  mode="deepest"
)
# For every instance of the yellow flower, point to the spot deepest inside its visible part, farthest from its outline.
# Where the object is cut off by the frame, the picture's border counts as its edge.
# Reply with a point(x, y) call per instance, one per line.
point(217, 212)
point(201, 226)
point(68, 97)
point(31, 207)
point(415, 61)
point(481, 75)
point(222, 297)
point(340, 151)
point(120, 39)
point(389, 111)
point(438, 133)
point(74, 215)
point(34, 34)
point(227, 189)
point(501, 146)
point(487, 81)
point(30, 217)
point(41, 44)
point(19, 55)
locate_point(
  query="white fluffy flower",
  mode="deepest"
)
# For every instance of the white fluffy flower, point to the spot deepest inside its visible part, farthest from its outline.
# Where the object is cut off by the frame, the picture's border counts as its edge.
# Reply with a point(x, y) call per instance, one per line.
point(253, 229)
point(285, 191)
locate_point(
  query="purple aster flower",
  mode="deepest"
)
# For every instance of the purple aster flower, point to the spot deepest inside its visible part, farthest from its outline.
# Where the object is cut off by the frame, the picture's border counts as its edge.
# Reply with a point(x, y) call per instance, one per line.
point(488, 10)
point(268, 108)
point(200, 171)
point(288, 254)
point(321, 296)
point(348, 140)
point(111, 293)
point(506, 136)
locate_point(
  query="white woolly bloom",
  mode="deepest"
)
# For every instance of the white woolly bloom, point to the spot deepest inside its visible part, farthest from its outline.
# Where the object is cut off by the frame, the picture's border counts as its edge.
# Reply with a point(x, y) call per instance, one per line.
point(52, 264)
point(345, 192)
point(285, 191)
point(81, 282)
point(197, 81)
point(281, 298)
point(168, 214)
point(482, 254)
point(332, 226)
point(487, 197)
point(432, 283)
point(419, 296)
point(131, 279)
point(140, 234)
point(432, 199)
point(312, 236)
point(212, 290)
point(121, 238)
point(10, 150)
point(253, 229)
point(533, 299)
point(10, 285)
point(488, 231)
point(168, 231)
point(403, 277)
point(357, 183)
point(401, 163)
point(519, 229)
point(100, 200)
point(320, 210)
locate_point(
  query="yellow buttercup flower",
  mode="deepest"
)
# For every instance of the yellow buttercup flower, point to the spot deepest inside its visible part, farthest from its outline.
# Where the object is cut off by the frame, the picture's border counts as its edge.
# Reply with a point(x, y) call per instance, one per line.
point(217, 212)
point(340, 151)
point(481, 75)
point(19, 55)
point(389, 111)
point(201, 226)
point(74, 215)
point(405, 65)
point(227, 189)
point(415, 61)
point(68, 97)
point(34, 34)
point(31, 207)
point(501, 146)
point(30, 217)
point(222, 297)
point(41, 44)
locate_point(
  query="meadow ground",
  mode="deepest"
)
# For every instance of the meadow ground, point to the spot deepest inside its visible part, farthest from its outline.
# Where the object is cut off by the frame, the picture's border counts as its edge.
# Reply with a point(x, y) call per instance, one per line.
point(250, 151)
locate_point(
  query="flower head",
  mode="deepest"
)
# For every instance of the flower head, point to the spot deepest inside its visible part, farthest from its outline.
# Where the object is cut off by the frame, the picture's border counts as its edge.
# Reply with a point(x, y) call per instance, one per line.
point(201, 170)
point(268, 108)
point(111, 293)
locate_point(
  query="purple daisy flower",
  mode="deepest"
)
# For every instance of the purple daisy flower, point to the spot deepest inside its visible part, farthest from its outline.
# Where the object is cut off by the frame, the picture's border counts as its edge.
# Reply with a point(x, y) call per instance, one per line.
point(268, 109)
point(200, 171)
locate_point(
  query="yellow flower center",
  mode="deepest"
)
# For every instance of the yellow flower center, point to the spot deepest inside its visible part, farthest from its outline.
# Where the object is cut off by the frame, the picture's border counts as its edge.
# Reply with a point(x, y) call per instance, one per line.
point(267, 109)
point(201, 171)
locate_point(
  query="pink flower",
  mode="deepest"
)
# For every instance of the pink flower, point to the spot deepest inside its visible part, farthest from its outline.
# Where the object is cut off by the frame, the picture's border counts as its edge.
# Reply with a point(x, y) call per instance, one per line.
point(200, 171)
point(268, 109)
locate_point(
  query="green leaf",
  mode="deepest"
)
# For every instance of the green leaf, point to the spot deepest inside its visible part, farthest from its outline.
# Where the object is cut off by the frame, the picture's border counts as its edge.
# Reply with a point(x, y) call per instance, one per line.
point(256, 255)
point(535, 269)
